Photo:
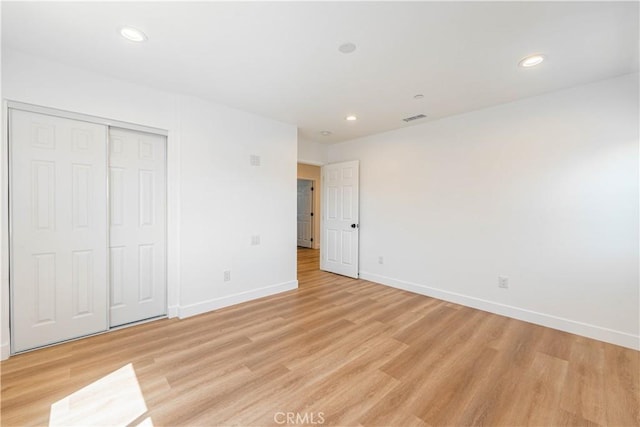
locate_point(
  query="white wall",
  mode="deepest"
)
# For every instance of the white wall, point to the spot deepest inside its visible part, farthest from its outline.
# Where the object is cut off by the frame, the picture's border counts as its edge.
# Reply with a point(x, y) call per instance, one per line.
point(213, 192)
point(311, 152)
point(542, 190)
point(225, 201)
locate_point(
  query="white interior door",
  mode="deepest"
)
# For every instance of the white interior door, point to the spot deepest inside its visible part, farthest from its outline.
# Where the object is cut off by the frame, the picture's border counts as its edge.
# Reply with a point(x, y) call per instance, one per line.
point(58, 229)
point(340, 213)
point(305, 213)
point(137, 187)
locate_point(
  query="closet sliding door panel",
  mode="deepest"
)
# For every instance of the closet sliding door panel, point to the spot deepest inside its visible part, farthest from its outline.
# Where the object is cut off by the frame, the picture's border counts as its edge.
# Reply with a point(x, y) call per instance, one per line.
point(137, 187)
point(58, 214)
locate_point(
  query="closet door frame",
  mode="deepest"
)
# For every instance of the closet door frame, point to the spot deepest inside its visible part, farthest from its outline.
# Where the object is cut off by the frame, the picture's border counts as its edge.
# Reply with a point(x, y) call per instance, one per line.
point(7, 242)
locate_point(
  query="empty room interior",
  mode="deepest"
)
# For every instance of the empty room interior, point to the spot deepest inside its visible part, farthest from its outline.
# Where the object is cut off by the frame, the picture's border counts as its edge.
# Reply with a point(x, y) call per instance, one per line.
point(320, 213)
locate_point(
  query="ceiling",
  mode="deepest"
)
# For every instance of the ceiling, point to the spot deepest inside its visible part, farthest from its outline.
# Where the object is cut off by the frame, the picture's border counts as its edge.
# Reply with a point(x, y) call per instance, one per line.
point(281, 60)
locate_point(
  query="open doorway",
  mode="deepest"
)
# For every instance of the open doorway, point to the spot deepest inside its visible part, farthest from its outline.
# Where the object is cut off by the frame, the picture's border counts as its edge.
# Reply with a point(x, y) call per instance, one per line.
point(309, 208)
point(308, 225)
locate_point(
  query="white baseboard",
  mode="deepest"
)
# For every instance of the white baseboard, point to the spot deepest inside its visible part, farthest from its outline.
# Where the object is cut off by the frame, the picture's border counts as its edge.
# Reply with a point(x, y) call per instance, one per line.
point(4, 351)
point(216, 303)
point(567, 325)
point(172, 311)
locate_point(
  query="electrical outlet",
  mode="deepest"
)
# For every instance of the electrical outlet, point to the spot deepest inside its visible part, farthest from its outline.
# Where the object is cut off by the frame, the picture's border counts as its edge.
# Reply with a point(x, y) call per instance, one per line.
point(254, 160)
point(380, 260)
point(503, 282)
point(255, 240)
point(227, 276)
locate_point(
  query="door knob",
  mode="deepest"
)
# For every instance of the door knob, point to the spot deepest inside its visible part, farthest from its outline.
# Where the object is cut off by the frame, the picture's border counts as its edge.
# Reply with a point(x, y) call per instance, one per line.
point(354, 225)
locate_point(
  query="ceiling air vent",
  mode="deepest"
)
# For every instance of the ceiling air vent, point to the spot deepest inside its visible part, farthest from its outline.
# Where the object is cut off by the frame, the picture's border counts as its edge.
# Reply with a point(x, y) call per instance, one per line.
point(410, 119)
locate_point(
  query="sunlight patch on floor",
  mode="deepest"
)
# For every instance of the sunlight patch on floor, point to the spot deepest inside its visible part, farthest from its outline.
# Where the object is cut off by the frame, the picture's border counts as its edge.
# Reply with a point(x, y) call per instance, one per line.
point(145, 423)
point(115, 399)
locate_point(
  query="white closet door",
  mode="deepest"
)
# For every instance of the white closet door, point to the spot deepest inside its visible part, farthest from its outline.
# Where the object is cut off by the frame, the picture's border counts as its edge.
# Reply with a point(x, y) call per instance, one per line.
point(138, 225)
point(59, 229)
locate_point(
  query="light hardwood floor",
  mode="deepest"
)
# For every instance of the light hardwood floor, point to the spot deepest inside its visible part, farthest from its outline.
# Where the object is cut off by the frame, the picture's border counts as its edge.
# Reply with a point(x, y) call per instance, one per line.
point(338, 350)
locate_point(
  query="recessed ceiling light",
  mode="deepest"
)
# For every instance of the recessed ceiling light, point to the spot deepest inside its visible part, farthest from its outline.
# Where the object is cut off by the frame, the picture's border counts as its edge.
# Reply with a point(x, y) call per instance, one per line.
point(347, 47)
point(133, 34)
point(325, 133)
point(418, 96)
point(351, 118)
point(531, 60)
